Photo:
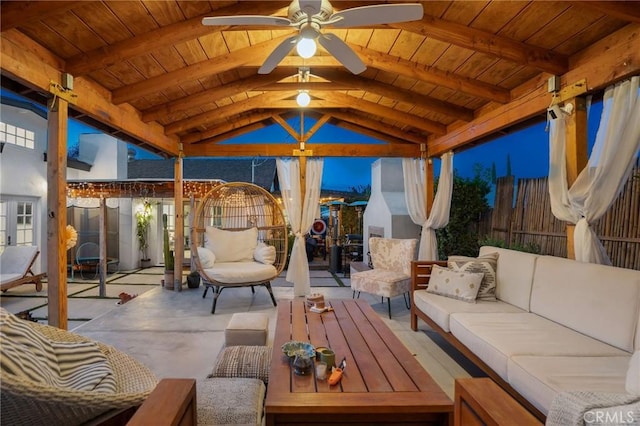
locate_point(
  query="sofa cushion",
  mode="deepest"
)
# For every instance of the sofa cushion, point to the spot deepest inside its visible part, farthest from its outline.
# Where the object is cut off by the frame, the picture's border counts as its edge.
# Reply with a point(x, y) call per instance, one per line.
point(207, 258)
point(231, 246)
point(381, 282)
point(439, 308)
point(265, 253)
point(597, 300)
point(456, 284)
point(485, 264)
point(632, 383)
point(514, 275)
point(241, 272)
point(540, 378)
point(496, 337)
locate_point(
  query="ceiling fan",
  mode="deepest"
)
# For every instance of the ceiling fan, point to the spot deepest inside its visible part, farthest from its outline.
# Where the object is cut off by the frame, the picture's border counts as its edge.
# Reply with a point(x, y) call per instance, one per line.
point(310, 16)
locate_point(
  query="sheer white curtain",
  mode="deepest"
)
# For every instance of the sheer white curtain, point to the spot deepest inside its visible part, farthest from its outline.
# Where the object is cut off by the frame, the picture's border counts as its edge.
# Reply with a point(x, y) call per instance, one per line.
point(301, 214)
point(415, 192)
point(597, 186)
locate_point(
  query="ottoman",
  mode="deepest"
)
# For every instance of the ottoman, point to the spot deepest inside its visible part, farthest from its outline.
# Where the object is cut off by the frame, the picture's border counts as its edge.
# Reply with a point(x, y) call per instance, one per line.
point(247, 329)
point(230, 401)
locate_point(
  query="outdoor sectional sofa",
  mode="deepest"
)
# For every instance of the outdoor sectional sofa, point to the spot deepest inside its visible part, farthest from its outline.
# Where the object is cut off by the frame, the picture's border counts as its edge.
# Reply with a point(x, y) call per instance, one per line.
point(557, 325)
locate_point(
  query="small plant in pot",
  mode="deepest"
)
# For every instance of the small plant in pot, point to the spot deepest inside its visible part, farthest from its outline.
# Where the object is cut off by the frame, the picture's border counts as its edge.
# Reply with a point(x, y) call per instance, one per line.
point(168, 256)
point(193, 279)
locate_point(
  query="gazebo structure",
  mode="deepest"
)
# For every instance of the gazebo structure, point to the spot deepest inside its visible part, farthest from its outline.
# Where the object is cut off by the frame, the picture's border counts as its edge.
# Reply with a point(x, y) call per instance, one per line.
point(151, 74)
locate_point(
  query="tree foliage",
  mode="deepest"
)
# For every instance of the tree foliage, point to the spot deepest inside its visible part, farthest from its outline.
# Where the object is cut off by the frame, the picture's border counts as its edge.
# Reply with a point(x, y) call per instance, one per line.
point(468, 202)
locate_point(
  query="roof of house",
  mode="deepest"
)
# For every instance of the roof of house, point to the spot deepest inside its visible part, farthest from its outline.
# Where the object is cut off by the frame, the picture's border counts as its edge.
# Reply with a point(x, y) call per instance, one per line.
point(262, 172)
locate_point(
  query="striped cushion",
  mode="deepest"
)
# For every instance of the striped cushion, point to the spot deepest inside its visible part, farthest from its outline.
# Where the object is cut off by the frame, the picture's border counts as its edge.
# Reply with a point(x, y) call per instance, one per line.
point(28, 354)
point(243, 361)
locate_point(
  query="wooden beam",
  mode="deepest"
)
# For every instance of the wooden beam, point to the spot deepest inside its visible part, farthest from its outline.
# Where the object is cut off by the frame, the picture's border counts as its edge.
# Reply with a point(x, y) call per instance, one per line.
point(385, 62)
point(233, 133)
point(369, 124)
point(487, 43)
point(372, 133)
point(202, 69)
point(333, 149)
point(221, 127)
point(294, 133)
point(312, 85)
point(396, 93)
point(317, 126)
point(16, 13)
point(603, 63)
point(624, 10)
point(164, 111)
point(178, 241)
point(57, 212)
point(31, 65)
point(167, 35)
point(348, 101)
point(226, 111)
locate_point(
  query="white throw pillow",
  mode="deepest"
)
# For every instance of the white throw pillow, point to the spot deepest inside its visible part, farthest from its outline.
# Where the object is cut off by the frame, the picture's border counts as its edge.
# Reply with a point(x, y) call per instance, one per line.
point(231, 246)
point(487, 264)
point(455, 284)
point(633, 375)
point(265, 254)
point(207, 258)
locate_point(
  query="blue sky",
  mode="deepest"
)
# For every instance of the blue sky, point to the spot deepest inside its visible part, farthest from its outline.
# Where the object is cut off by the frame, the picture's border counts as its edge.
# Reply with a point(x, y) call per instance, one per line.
point(527, 149)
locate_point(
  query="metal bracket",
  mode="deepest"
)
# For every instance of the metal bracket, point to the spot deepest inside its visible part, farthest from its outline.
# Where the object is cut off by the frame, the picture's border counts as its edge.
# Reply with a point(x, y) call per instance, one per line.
point(58, 91)
point(569, 92)
point(303, 153)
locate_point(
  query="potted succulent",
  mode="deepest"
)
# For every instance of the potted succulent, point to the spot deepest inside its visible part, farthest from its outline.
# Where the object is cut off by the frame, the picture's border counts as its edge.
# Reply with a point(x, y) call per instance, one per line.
point(143, 220)
point(168, 255)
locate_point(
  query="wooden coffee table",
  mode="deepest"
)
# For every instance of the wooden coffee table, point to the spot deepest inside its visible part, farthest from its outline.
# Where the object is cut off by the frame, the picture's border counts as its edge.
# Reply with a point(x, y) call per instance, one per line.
point(382, 383)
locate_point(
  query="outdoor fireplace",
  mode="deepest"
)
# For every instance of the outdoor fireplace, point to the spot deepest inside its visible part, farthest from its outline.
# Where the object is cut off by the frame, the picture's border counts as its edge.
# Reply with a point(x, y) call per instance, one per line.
point(387, 214)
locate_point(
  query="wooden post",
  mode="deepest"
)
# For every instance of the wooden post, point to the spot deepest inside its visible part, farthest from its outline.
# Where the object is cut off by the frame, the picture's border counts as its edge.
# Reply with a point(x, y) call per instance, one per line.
point(429, 183)
point(576, 152)
point(178, 244)
point(103, 247)
point(57, 212)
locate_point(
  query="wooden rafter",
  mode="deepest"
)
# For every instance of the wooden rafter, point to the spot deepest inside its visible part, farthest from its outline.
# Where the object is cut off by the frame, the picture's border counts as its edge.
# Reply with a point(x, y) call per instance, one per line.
point(222, 127)
point(16, 13)
point(357, 119)
point(625, 10)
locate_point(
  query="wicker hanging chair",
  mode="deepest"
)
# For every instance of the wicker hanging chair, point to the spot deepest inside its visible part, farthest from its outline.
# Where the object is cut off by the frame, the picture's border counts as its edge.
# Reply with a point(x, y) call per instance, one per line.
point(239, 238)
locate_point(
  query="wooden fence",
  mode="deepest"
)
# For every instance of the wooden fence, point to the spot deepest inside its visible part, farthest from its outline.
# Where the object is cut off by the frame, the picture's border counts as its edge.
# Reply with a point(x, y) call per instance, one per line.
point(529, 222)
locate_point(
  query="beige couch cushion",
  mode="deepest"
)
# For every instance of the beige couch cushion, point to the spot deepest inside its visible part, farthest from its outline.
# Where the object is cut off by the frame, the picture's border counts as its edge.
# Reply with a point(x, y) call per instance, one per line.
point(439, 308)
point(456, 284)
point(540, 378)
point(231, 246)
point(496, 337)
point(241, 272)
point(596, 300)
point(514, 275)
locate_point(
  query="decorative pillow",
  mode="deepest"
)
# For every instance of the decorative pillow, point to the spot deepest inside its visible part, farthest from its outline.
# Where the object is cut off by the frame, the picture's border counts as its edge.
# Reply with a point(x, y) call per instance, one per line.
point(207, 258)
point(487, 264)
point(265, 253)
point(231, 246)
point(633, 375)
point(456, 284)
point(251, 362)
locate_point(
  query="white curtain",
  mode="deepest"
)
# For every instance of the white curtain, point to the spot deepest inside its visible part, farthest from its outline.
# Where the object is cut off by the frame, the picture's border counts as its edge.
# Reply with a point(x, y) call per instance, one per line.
point(301, 214)
point(598, 185)
point(415, 194)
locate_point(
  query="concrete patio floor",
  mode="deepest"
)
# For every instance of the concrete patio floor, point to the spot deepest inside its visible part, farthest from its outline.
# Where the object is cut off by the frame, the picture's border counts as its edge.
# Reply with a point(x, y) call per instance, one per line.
point(175, 334)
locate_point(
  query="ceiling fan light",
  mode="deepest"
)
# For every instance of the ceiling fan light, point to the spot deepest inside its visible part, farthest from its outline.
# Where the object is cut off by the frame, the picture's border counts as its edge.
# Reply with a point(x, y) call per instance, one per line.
point(306, 48)
point(303, 99)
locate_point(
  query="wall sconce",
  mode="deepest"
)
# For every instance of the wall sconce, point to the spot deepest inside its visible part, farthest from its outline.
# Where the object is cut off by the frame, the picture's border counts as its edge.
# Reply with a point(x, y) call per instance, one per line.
point(306, 47)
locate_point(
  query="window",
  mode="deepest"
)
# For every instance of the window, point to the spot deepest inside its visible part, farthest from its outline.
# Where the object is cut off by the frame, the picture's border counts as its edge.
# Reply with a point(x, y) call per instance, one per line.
point(17, 135)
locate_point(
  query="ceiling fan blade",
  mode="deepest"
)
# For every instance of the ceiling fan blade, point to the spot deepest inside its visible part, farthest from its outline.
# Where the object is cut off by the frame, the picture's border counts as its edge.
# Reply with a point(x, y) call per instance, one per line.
point(377, 14)
point(342, 52)
point(310, 7)
point(277, 21)
point(278, 55)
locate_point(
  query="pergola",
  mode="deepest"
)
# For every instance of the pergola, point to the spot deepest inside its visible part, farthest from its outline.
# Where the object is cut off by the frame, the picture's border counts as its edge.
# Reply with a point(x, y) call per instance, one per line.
point(151, 74)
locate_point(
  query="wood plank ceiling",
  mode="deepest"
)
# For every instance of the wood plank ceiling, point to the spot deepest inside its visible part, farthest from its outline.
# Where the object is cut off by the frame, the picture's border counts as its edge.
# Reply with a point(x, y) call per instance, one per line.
point(150, 73)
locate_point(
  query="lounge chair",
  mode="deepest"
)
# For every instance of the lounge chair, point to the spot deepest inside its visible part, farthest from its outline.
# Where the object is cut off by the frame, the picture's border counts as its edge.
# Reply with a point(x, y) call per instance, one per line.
point(15, 267)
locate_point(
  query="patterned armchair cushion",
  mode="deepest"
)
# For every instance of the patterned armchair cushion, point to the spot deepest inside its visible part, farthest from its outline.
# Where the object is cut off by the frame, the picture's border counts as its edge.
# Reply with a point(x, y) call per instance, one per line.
point(381, 282)
point(393, 254)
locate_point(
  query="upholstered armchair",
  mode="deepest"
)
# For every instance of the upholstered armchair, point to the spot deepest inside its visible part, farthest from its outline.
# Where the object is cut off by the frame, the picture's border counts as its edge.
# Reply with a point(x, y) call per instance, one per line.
point(391, 273)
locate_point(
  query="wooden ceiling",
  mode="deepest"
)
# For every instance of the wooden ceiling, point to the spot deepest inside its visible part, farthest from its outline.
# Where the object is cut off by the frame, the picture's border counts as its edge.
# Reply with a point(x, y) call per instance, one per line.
point(150, 73)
